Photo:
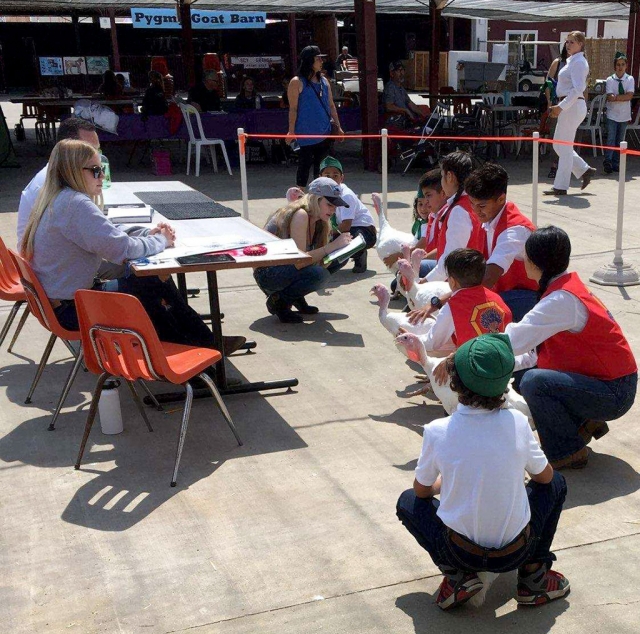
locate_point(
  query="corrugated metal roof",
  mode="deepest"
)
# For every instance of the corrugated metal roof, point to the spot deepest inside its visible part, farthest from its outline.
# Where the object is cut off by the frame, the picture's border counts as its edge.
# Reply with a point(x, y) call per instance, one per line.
point(517, 10)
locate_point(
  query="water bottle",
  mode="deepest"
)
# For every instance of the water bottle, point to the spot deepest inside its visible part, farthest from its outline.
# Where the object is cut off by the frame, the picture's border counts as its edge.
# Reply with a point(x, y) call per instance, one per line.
point(295, 146)
point(109, 408)
point(106, 183)
point(257, 102)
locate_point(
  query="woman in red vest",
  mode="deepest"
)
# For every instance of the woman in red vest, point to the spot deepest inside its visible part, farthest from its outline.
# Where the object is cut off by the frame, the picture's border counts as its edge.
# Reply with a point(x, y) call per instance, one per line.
point(586, 373)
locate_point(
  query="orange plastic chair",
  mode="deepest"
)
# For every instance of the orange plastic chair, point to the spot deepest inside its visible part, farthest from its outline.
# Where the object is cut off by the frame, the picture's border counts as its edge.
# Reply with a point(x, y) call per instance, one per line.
point(41, 307)
point(119, 340)
point(11, 291)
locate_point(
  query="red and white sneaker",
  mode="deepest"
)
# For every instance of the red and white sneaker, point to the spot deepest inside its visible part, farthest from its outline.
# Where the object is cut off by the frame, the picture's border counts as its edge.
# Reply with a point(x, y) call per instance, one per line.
point(541, 586)
point(458, 589)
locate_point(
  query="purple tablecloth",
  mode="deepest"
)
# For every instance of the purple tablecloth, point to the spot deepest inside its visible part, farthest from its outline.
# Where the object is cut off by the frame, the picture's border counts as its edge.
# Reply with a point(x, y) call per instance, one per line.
point(132, 127)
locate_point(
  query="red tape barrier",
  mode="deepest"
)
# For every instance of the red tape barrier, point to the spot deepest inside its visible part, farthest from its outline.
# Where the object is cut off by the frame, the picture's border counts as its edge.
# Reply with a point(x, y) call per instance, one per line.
point(414, 137)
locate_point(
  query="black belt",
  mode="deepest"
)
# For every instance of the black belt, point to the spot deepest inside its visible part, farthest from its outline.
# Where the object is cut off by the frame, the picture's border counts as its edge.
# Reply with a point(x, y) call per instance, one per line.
point(473, 549)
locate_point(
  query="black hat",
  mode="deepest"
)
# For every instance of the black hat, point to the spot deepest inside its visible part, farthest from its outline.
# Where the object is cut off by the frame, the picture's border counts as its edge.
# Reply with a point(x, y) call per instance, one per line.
point(309, 52)
point(396, 66)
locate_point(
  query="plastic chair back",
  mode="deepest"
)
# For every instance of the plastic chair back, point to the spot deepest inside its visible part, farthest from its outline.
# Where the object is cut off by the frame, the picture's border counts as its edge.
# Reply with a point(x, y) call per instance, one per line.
point(10, 287)
point(187, 111)
point(38, 301)
point(118, 336)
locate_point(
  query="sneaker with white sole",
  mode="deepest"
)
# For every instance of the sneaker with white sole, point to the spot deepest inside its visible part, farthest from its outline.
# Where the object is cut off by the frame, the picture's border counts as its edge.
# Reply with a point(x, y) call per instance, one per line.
point(457, 589)
point(541, 586)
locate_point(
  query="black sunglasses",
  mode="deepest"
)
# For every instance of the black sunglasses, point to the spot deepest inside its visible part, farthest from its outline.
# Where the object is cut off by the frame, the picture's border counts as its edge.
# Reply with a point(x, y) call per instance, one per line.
point(98, 170)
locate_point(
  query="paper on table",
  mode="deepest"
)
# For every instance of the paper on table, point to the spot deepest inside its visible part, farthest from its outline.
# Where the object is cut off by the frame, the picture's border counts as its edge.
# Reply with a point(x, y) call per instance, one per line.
point(217, 243)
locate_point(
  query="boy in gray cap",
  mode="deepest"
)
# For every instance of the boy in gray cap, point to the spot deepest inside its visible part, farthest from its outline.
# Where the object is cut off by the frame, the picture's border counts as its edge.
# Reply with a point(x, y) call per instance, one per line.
point(475, 459)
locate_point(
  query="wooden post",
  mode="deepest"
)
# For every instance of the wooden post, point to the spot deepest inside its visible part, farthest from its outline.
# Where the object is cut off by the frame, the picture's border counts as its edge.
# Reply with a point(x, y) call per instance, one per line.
point(365, 18)
point(293, 43)
point(633, 39)
point(114, 41)
point(76, 31)
point(434, 55)
point(188, 60)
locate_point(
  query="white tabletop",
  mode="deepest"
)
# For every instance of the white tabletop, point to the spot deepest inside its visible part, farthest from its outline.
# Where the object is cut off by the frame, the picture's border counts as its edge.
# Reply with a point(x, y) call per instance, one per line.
point(278, 251)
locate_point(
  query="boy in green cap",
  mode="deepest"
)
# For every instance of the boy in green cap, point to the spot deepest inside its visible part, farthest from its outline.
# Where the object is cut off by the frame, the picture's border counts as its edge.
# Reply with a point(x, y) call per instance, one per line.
point(620, 88)
point(355, 218)
point(486, 520)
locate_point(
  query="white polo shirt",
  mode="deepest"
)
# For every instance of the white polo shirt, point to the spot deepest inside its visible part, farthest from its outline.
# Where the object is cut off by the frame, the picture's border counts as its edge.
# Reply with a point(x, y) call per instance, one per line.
point(357, 211)
point(619, 111)
point(482, 456)
point(509, 245)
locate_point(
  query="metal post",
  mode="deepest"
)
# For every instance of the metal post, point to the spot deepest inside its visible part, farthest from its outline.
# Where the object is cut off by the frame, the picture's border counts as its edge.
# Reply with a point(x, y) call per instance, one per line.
point(384, 138)
point(243, 173)
point(618, 273)
point(535, 173)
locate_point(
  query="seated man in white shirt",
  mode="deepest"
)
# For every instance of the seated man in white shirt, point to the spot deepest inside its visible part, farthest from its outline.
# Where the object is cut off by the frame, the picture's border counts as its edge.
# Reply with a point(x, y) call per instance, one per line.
point(486, 520)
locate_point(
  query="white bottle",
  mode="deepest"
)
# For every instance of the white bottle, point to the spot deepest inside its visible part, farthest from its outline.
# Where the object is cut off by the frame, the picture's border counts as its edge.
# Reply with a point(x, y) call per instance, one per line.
point(109, 408)
point(257, 103)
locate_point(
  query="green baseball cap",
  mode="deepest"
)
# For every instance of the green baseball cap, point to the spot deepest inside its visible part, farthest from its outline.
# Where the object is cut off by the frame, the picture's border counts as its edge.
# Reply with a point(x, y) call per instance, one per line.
point(485, 364)
point(329, 161)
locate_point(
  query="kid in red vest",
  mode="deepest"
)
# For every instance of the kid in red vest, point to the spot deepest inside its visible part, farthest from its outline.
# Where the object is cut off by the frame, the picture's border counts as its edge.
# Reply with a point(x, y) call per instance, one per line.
point(505, 230)
point(586, 373)
point(472, 309)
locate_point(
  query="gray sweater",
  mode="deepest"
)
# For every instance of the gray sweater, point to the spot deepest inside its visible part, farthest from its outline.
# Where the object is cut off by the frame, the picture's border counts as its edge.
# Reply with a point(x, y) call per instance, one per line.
point(73, 238)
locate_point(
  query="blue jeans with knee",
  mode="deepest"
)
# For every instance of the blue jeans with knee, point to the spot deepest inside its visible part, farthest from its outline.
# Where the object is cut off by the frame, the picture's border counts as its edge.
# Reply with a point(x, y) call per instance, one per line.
point(289, 282)
point(520, 302)
point(419, 517)
point(561, 402)
point(616, 131)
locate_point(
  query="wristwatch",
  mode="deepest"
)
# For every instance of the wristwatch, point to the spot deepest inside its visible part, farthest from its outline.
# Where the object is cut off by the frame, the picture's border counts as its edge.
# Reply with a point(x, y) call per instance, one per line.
point(436, 303)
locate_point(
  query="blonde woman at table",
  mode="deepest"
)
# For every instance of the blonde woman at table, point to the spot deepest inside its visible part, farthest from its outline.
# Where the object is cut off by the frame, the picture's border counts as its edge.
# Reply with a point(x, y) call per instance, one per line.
point(570, 112)
point(68, 236)
point(306, 220)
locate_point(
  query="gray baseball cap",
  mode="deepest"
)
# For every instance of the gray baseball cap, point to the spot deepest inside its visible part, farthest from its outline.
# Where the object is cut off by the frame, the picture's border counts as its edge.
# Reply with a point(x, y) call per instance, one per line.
point(329, 189)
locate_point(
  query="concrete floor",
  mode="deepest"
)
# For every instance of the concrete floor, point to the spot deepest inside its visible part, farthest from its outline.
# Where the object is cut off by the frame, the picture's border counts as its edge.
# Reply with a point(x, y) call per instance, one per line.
point(296, 530)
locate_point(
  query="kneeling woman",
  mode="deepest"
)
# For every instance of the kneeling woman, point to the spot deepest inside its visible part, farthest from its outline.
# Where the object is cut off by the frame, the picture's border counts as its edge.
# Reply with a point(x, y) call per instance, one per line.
point(586, 373)
point(306, 221)
point(68, 237)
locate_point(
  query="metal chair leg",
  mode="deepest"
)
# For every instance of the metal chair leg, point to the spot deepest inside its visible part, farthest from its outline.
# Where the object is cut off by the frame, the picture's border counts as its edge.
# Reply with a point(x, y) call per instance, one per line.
point(25, 314)
point(183, 430)
point(150, 394)
point(138, 402)
point(7, 324)
point(67, 387)
point(43, 363)
point(223, 408)
point(91, 416)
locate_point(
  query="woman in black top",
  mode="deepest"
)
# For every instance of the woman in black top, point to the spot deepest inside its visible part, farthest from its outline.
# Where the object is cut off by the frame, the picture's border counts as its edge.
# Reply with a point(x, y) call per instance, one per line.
point(248, 98)
point(154, 101)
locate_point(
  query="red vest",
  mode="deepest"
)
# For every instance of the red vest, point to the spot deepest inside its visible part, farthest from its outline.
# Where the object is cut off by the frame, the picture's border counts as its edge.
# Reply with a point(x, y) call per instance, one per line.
point(477, 311)
point(516, 276)
point(476, 239)
point(599, 351)
point(433, 229)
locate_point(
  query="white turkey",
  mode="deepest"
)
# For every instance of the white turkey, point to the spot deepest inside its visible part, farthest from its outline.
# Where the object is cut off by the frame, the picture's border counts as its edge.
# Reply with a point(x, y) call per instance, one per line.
point(390, 240)
point(448, 398)
point(419, 295)
point(394, 321)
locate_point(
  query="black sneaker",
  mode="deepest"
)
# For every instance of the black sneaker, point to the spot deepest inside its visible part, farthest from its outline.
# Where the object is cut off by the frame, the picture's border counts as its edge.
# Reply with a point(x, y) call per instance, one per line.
point(287, 316)
point(608, 168)
point(304, 308)
point(541, 586)
point(552, 172)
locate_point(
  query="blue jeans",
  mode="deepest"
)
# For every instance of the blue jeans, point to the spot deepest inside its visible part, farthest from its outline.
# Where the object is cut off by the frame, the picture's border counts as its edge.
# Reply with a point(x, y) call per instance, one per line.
point(426, 266)
point(616, 132)
point(419, 517)
point(520, 302)
point(174, 320)
point(291, 283)
point(560, 402)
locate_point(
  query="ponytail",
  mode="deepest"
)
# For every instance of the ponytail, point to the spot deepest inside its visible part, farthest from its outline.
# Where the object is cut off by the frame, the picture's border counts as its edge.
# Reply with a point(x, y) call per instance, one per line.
point(460, 165)
point(548, 248)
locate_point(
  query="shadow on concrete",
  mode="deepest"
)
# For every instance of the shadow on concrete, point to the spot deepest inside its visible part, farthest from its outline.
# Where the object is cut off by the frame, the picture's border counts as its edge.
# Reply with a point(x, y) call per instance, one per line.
point(121, 495)
point(573, 201)
point(413, 416)
point(320, 330)
point(427, 618)
point(605, 478)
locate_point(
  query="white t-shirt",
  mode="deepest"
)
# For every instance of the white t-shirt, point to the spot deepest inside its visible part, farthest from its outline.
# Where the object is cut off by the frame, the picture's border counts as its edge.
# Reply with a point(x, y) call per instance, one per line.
point(619, 111)
point(482, 456)
point(28, 199)
point(357, 211)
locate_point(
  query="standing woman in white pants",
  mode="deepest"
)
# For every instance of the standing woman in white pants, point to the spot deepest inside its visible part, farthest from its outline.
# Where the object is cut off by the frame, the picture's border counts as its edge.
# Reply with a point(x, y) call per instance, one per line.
point(571, 111)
